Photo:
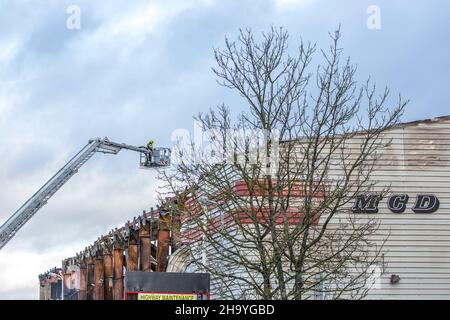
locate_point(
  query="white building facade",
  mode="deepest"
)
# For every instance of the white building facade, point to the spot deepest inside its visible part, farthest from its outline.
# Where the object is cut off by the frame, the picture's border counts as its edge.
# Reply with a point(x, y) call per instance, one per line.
point(414, 217)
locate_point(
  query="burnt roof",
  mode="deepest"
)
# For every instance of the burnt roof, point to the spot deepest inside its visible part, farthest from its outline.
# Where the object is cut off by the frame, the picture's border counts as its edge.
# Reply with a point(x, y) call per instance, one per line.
point(423, 121)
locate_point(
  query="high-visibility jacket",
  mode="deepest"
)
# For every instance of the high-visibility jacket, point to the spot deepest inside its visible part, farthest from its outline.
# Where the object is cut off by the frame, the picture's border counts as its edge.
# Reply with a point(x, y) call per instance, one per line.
point(150, 145)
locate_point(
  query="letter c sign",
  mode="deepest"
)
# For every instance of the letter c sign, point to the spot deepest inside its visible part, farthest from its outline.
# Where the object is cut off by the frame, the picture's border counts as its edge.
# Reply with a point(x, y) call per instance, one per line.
point(397, 203)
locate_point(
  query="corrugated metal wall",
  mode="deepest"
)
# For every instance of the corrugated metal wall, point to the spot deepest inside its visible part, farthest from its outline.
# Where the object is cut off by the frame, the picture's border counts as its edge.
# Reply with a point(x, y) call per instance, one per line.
point(418, 244)
point(418, 248)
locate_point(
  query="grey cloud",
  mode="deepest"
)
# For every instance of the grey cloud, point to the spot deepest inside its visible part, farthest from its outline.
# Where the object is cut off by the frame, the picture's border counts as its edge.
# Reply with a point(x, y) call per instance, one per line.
point(62, 87)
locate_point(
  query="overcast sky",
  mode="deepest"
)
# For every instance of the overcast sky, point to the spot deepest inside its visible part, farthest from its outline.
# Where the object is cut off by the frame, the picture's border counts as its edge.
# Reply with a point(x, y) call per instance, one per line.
point(141, 69)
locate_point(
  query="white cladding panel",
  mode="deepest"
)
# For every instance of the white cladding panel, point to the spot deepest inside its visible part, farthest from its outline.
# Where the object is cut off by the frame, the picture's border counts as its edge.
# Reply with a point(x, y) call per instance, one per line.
point(418, 249)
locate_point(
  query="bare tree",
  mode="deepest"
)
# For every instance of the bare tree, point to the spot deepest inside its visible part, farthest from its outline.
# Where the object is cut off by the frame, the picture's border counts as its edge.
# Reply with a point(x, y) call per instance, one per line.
point(267, 203)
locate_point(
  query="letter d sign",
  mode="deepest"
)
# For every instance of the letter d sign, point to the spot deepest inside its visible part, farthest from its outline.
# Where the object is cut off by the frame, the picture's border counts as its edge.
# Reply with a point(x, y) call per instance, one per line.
point(426, 204)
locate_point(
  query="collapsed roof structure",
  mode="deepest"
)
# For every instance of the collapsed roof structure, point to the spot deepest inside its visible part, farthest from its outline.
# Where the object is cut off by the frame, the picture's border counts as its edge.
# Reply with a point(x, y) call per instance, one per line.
point(97, 272)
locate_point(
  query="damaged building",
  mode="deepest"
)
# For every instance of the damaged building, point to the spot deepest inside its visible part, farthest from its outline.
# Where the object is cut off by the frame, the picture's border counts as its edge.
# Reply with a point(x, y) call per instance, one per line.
point(414, 227)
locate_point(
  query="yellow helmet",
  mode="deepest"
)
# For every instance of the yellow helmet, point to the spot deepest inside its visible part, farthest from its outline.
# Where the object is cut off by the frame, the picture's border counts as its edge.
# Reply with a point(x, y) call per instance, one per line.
point(152, 141)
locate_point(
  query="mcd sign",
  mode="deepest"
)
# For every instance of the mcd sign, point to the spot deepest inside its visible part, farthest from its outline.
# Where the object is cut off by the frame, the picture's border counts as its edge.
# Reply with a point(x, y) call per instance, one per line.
point(397, 203)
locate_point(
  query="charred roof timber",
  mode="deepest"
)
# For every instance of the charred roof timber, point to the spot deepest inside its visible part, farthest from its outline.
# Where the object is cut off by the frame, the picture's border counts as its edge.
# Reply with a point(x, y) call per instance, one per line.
point(149, 158)
point(98, 271)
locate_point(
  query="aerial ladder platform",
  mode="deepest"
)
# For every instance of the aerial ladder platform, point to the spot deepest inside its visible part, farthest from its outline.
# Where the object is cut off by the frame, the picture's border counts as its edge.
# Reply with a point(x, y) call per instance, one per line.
point(157, 158)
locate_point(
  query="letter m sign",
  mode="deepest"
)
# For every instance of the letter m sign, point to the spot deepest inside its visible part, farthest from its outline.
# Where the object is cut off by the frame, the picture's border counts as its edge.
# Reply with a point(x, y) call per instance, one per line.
point(366, 203)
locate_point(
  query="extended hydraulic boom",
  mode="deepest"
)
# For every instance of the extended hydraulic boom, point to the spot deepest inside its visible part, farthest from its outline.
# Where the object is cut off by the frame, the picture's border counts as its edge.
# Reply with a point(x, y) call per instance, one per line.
point(158, 157)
